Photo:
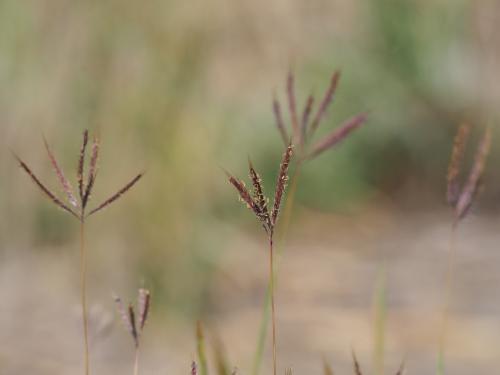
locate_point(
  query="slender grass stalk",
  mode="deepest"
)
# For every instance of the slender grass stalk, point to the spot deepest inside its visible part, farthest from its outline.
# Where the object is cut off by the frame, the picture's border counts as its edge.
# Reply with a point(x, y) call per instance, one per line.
point(301, 135)
point(200, 344)
point(447, 299)
point(136, 361)
point(380, 307)
point(273, 307)
point(282, 235)
point(257, 203)
point(76, 207)
point(460, 197)
point(135, 320)
point(83, 295)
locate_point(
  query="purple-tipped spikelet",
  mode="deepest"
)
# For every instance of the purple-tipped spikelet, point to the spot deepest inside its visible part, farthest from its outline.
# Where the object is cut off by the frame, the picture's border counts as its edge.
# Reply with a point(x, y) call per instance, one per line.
point(81, 163)
point(281, 183)
point(132, 322)
point(131, 317)
point(258, 195)
point(65, 184)
point(258, 202)
point(143, 305)
point(461, 198)
point(309, 122)
point(77, 207)
point(457, 155)
point(337, 135)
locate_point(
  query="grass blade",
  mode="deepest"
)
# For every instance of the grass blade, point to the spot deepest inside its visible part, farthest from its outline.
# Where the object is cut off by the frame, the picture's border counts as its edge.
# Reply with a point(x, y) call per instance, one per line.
point(200, 341)
point(221, 363)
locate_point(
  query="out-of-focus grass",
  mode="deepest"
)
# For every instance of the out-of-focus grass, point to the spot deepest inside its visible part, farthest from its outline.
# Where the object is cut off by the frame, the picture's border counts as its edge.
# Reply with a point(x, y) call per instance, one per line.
point(181, 87)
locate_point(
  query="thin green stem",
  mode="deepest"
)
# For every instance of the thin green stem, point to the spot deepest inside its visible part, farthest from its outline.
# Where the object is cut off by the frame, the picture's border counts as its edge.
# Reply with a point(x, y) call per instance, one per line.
point(83, 293)
point(273, 311)
point(380, 309)
point(447, 299)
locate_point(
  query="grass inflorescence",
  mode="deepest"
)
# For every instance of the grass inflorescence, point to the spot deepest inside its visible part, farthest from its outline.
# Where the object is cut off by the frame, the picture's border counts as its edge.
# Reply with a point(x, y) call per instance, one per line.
point(76, 204)
point(257, 203)
point(134, 321)
point(460, 196)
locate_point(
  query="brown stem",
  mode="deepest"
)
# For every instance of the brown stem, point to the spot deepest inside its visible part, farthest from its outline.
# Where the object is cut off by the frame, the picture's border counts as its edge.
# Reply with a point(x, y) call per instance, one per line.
point(273, 311)
point(83, 292)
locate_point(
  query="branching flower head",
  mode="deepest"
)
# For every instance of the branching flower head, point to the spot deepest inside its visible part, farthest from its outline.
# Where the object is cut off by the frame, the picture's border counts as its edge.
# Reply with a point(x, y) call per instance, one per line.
point(134, 321)
point(76, 204)
point(256, 201)
point(304, 126)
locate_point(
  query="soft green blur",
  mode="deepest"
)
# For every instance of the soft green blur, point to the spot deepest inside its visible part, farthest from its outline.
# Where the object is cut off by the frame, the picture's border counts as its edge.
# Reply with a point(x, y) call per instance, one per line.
point(183, 89)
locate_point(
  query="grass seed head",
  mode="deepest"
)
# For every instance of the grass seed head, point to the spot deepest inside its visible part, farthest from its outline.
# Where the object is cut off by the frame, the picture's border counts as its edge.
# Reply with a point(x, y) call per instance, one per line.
point(325, 103)
point(470, 189)
point(81, 163)
point(456, 159)
point(143, 304)
point(281, 183)
point(75, 208)
point(338, 135)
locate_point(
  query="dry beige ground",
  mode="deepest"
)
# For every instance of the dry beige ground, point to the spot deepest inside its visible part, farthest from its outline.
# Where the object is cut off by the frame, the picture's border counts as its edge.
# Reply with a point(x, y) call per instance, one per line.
point(327, 278)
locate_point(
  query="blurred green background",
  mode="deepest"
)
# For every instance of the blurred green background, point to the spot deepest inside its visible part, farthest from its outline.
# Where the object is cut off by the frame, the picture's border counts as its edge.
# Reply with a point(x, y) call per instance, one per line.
point(183, 88)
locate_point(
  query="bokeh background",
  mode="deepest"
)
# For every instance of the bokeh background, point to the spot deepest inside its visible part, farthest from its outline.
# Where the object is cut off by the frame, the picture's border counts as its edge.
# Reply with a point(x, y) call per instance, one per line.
point(183, 88)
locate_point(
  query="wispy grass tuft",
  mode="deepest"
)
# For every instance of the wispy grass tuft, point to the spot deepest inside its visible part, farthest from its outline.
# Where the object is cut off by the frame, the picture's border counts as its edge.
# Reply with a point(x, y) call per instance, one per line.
point(301, 135)
point(460, 197)
point(134, 323)
point(257, 203)
point(78, 209)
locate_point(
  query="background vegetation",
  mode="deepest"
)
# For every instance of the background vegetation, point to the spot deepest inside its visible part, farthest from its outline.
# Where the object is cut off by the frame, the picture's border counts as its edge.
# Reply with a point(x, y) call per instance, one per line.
point(184, 88)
